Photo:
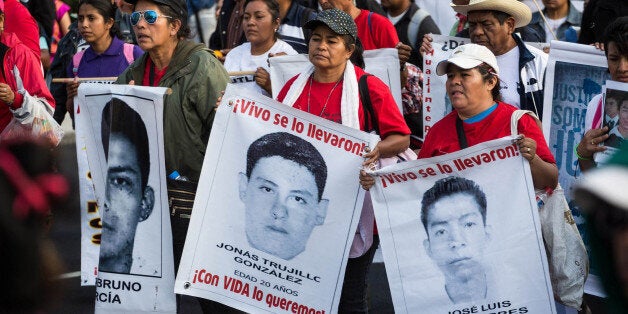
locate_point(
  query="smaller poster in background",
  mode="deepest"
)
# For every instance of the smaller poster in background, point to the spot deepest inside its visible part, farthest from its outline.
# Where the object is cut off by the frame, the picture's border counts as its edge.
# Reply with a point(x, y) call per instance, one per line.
point(436, 103)
point(615, 117)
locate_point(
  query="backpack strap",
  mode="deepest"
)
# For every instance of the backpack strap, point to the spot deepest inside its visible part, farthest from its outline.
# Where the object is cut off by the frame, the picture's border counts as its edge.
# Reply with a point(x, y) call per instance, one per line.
point(415, 24)
point(76, 60)
point(128, 52)
point(367, 106)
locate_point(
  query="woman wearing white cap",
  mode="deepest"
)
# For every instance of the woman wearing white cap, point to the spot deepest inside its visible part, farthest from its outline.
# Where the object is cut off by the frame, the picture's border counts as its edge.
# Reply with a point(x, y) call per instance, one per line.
point(473, 86)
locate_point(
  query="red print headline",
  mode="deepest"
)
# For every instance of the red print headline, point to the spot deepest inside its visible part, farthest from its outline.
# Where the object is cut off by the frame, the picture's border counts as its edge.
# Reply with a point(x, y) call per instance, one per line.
point(458, 164)
point(250, 108)
point(237, 286)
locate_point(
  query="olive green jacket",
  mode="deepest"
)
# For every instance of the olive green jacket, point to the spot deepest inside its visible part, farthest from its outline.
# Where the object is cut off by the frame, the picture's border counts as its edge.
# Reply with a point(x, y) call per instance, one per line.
point(196, 79)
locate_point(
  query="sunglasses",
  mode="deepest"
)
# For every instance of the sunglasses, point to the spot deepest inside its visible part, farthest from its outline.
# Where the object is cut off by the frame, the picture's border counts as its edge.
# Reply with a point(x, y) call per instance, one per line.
point(150, 16)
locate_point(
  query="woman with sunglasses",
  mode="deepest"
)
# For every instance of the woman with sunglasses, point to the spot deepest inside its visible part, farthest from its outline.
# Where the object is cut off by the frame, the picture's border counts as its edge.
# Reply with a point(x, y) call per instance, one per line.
point(196, 79)
point(260, 24)
point(107, 55)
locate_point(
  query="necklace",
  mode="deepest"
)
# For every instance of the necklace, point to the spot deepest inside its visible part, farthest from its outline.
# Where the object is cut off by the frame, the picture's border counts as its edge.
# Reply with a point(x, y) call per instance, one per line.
point(309, 92)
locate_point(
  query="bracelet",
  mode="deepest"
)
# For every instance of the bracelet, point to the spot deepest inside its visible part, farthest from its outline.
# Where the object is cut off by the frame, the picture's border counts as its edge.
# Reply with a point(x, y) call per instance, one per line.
point(575, 150)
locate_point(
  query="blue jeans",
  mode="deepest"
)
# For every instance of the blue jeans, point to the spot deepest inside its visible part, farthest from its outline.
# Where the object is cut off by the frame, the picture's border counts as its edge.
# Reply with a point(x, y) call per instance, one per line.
point(354, 288)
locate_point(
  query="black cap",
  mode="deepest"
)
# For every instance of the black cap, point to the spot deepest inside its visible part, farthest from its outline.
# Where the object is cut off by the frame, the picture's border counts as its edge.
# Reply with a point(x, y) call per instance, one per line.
point(338, 21)
point(178, 6)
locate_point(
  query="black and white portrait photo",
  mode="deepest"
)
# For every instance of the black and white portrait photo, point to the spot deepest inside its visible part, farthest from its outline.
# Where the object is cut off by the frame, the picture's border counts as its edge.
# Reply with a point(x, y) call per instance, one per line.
point(282, 190)
point(129, 200)
point(453, 213)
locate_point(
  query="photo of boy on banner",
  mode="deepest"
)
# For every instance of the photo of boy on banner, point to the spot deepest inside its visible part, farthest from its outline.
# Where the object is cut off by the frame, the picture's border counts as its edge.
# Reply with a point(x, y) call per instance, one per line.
point(453, 213)
point(129, 199)
point(282, 191)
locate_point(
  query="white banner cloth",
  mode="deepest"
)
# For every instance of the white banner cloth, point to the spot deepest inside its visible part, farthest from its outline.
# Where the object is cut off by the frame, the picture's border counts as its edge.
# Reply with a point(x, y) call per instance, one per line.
point(133, 211)
point(263, 237)
point(500, 253)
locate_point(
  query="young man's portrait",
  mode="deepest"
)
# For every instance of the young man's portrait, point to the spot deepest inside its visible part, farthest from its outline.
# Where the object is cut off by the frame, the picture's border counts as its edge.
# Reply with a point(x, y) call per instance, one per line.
point(128, 198)
point(453, 213)
point(282, 191)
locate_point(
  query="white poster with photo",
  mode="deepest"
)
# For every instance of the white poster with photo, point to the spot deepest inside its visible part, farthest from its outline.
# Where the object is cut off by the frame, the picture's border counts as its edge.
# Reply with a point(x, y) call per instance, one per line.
point(383, 63)
point(575, 74)
point(122, 128)
point(276, 210)
point(457, 238)
point(615, 113)
point(90, 217)
point(436, 103)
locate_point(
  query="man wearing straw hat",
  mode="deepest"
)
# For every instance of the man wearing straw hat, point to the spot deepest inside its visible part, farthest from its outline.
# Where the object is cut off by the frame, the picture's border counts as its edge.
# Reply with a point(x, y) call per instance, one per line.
point(492, 23)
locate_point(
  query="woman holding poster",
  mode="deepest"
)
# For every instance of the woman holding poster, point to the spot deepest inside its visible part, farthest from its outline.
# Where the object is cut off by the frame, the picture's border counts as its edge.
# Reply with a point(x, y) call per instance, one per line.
point(260, 24)
point(616, 50)
point(329, 88)
point(473, 86)
point(479, 115)
point(195, 78)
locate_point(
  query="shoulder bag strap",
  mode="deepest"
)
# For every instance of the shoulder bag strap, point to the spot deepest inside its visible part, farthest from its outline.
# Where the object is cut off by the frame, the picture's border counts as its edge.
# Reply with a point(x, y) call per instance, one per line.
point(462, 138)
point(514, 119)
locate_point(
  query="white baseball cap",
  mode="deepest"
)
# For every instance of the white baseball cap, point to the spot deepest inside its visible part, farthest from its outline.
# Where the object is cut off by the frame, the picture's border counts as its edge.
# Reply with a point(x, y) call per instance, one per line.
point(469, 56)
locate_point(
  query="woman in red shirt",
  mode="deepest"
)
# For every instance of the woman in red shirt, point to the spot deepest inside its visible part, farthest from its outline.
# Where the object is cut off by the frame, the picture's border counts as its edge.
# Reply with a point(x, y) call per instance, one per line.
point(473, 88)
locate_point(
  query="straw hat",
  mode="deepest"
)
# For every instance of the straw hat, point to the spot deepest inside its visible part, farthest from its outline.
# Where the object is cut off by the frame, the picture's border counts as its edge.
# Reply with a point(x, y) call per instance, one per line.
point(519, 11)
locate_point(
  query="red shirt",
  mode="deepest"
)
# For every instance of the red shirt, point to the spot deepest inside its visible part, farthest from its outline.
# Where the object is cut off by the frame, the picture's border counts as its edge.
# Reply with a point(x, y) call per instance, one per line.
point(380, 34)
point(388, 115)
point(157, 74)
point(443, 138)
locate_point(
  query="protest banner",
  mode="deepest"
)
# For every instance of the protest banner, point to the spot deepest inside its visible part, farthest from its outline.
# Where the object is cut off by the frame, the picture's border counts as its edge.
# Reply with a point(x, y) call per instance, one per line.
point(123, 132)
point(458, 239)
point(276, 210)
point(436, 103)
point(574, 75)
point(90, 217)
point(383, 63)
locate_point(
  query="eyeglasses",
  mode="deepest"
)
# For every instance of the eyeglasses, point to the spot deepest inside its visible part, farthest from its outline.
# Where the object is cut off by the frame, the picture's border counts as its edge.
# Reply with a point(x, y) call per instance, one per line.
point(150, 16)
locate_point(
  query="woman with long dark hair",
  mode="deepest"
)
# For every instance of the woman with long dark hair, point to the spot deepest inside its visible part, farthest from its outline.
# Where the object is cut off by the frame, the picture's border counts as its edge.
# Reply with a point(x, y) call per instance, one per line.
point(107, 55)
